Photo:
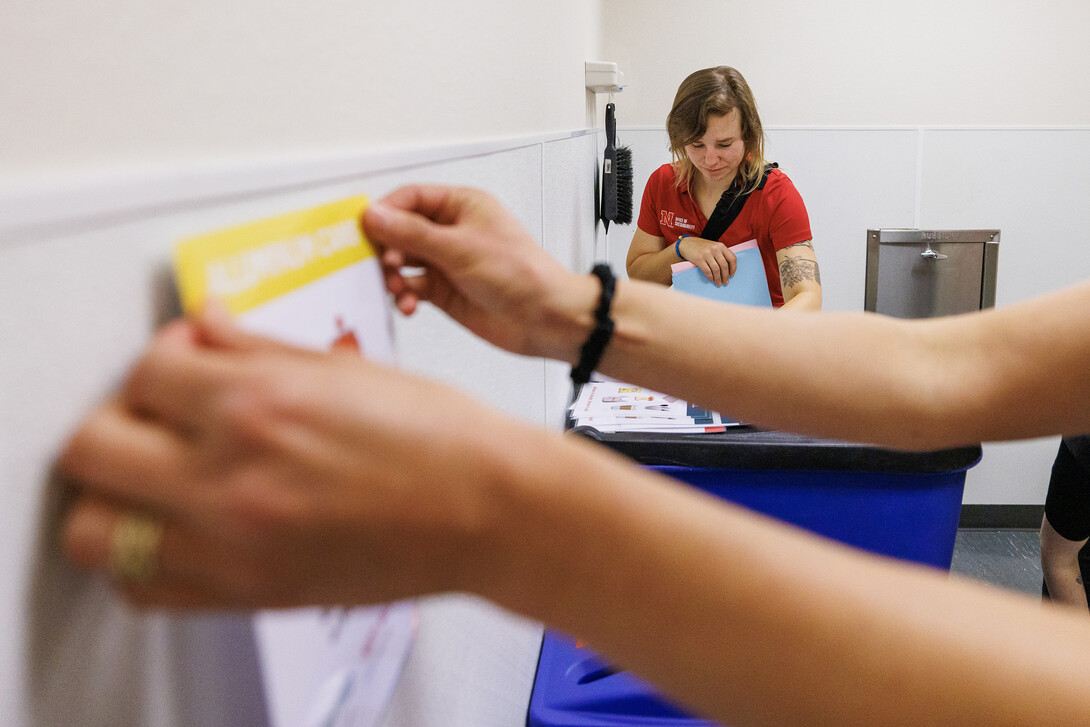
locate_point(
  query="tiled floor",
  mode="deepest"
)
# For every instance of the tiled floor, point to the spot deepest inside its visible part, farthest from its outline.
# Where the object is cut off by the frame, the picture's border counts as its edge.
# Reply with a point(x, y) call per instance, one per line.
point(1006, 558)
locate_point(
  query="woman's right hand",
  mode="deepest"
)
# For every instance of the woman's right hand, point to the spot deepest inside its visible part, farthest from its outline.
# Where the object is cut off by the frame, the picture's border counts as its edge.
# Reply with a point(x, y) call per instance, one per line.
point(713, 257)
point(481, 267)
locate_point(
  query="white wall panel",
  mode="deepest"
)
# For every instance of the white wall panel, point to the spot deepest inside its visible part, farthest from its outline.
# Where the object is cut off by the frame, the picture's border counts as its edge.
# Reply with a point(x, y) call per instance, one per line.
point(82, 295)
point(851, 180)
point(473, 665)
point(431, 344)
point(1032, 184)
point(569, 225)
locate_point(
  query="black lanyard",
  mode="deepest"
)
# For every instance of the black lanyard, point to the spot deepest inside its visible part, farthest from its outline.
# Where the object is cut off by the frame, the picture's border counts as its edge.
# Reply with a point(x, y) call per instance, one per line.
point(729, 207)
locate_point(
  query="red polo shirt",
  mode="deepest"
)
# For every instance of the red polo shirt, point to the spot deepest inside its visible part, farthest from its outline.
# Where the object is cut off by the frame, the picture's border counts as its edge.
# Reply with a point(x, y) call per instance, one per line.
point(775, 216)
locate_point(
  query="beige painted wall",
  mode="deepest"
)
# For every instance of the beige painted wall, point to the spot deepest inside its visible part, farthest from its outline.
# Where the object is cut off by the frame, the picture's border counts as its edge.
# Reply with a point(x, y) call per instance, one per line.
point(88, 86)
point(94, 86)
point(862, 62)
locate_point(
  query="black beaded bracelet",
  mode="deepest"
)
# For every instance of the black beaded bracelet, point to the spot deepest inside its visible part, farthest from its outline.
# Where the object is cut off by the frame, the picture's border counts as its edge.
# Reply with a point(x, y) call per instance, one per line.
point(595, 346)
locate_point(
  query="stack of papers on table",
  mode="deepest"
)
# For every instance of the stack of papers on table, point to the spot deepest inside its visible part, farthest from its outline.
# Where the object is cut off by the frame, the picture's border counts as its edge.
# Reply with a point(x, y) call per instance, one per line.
point(614, 406)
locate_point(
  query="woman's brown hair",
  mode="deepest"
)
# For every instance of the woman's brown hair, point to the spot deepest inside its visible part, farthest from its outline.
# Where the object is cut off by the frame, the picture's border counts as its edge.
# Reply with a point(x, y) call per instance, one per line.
point(715, 92)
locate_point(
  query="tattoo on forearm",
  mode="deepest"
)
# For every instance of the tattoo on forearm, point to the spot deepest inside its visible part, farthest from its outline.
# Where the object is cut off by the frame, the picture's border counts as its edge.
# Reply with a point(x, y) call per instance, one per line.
point(795, 270)
point(804, 243)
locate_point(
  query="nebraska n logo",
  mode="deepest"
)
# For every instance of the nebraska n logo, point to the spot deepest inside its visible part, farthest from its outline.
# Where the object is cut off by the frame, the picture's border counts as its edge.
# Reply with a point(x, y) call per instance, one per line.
point(666, 218)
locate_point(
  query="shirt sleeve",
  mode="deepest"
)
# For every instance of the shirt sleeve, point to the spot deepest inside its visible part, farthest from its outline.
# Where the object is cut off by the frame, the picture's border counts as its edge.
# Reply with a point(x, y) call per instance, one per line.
point(649, 206)
point(788, 221)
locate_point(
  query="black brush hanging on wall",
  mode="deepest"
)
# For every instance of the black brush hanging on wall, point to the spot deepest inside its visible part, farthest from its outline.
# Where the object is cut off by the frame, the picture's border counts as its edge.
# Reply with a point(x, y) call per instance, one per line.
point(616, 176)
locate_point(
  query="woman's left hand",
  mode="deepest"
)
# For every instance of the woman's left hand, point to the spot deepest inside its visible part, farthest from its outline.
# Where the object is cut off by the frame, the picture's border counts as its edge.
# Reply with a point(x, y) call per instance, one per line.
point(278, 476)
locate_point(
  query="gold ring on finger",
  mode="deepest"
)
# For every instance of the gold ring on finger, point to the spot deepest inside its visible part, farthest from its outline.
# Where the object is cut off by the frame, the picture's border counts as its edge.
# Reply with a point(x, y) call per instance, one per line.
point(134, 548)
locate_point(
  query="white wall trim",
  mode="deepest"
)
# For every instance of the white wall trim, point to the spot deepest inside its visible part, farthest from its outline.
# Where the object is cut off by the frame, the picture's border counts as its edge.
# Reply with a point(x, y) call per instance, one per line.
point(25, 207)
point(896, 127)
point(920, 133)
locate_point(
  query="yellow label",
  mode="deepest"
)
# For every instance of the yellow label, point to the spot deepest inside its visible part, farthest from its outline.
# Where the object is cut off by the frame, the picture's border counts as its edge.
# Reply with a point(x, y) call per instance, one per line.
point(251, 264)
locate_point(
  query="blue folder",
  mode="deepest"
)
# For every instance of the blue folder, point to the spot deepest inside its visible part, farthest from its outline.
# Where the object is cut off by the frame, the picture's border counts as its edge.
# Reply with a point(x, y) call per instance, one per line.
point(749, 286)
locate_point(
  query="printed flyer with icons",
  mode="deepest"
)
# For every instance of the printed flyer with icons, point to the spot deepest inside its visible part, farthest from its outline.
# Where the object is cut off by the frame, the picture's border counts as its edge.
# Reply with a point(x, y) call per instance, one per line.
point(310, 278)
point(614, 406)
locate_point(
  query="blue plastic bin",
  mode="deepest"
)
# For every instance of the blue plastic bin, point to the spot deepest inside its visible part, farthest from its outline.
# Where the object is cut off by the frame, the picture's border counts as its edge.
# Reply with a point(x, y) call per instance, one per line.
point(899, 504)
point(913, 516)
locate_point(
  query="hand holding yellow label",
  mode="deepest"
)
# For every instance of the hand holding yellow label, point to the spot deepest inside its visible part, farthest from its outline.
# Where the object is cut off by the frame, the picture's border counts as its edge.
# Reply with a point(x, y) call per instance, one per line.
point(251, 264)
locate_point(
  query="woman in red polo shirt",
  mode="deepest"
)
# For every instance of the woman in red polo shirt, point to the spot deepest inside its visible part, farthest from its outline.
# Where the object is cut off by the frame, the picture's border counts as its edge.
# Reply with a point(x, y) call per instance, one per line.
point(718, 145)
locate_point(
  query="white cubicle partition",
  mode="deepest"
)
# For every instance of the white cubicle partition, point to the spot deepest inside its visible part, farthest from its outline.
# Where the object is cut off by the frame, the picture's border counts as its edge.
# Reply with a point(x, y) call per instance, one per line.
point(84, 281)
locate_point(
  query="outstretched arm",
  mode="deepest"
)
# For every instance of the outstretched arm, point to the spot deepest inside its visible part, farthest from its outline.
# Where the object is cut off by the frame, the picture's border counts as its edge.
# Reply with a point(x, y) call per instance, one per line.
point(284, 477)
point(1006, 373)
